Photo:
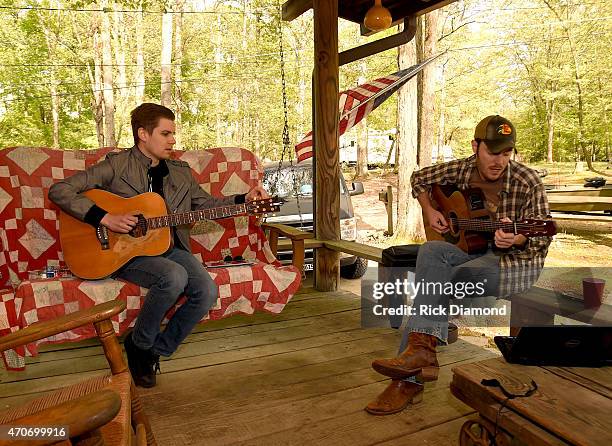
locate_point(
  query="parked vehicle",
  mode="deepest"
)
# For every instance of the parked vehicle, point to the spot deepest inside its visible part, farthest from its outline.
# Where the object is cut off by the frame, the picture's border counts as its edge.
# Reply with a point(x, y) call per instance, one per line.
point(293, 185)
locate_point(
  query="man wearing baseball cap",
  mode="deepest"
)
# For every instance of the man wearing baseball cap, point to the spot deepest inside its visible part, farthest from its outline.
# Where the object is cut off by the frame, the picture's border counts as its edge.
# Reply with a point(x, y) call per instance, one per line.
point(512, 263)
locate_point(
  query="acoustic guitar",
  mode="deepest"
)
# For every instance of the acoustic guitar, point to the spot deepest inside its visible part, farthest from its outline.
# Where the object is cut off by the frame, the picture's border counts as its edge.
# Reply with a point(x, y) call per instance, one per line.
point(92, 253)
point(470, 224)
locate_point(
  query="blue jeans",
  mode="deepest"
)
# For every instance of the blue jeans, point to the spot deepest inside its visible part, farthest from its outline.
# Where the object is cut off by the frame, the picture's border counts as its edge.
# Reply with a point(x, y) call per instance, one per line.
point(444, 262)
point(167, 277)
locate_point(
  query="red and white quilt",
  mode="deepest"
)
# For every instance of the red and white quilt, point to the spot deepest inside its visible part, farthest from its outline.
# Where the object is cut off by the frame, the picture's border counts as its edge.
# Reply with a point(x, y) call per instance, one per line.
point(29, 239)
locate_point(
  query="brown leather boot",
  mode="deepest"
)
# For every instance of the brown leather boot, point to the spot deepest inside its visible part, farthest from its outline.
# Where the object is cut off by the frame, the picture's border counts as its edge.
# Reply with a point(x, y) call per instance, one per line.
point(396, 397)
point(419, 360)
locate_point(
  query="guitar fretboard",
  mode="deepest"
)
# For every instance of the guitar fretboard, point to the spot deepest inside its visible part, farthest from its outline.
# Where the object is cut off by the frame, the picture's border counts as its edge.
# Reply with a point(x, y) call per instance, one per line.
point(185, 218)
point(490, 226)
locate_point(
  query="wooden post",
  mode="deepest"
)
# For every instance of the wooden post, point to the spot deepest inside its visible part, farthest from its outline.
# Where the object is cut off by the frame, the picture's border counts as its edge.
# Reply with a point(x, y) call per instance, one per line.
point(326, 144)
point(389, 207)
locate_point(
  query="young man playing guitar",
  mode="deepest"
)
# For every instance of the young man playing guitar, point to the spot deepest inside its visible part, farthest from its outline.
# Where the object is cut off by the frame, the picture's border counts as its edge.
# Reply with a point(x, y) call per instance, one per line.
point(512, 193)
point(147, 167)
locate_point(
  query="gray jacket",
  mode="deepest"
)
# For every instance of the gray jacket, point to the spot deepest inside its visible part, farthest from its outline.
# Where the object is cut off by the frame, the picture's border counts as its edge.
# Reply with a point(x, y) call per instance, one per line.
point(125, 174)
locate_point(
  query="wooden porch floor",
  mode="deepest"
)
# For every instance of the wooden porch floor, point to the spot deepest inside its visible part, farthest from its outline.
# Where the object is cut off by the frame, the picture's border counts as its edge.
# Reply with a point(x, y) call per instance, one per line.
point(300, 377)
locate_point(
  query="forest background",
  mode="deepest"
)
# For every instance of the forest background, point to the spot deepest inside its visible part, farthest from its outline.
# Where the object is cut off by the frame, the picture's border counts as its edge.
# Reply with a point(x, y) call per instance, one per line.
point(71, 71)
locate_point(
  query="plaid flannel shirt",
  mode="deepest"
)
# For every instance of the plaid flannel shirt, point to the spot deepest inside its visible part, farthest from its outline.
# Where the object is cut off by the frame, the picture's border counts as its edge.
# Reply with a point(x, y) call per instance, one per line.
point(522, 196)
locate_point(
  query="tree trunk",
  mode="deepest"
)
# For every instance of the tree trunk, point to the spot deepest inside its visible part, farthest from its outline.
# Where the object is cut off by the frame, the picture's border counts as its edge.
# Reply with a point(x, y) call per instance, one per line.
point(97, 90)
point(93, 74)
point(178, 73)
point(217, 38)
point(362, 134)
point(120, 43)
point(55, 103)
point(107, 76)
point(441, 119)
point(409, 219)
point(166, 61)
point(550, 123)
point(427, 97)
point(139, 76)
point(362, 150)
point(577, 79)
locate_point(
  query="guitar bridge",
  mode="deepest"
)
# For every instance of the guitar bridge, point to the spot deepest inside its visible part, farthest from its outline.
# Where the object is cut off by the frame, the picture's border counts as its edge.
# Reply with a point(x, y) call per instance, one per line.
point(102, 235)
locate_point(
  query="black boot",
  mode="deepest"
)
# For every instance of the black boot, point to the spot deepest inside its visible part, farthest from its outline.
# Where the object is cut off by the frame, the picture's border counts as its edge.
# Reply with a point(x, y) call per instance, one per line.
point(143, 363)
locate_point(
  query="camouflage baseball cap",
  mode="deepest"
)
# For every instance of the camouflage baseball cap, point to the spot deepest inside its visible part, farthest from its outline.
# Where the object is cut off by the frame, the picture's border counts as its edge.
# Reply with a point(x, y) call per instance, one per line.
point(497, 132)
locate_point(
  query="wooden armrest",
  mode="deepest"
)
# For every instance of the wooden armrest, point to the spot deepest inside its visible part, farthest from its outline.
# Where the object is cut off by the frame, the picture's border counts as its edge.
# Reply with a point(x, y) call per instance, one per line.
point(296, 236)
point(355, 248)
point(81, 415)
point(287, 231)
point(41, 330)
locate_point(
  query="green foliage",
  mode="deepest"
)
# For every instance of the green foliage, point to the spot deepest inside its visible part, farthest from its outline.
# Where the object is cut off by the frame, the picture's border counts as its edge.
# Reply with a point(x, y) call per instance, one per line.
point(513, 57)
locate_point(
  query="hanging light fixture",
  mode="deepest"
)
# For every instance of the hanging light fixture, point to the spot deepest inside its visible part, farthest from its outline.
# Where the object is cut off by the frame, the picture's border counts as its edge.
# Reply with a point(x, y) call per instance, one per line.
point(378, 17)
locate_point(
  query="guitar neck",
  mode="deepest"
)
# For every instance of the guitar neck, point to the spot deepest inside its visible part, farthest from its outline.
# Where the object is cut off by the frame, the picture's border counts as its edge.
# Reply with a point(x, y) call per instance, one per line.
point(185, 218)
point(491, 226)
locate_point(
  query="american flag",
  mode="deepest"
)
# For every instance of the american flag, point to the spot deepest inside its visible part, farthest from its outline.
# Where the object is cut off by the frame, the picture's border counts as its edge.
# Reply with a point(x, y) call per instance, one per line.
point(356, 103)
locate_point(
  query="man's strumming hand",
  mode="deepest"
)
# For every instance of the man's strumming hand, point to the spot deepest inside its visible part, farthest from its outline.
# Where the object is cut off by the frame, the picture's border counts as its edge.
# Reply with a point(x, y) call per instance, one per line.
point(119, 223)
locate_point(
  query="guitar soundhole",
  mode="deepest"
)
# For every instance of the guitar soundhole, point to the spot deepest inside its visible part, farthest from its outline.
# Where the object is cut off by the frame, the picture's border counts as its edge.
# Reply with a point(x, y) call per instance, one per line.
point(140, 230)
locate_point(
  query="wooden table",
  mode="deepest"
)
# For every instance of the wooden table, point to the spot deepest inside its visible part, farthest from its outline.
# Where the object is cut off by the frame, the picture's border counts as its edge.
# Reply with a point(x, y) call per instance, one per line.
point(573, 405)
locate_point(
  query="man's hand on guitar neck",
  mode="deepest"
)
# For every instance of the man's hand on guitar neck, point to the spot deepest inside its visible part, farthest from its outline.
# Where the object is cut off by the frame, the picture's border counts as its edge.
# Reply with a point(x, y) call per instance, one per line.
point(119, 223)
point(257, 193)
point(506, 240)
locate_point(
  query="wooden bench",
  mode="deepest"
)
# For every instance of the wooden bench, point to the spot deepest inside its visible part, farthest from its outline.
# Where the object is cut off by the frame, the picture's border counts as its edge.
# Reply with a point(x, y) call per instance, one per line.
point(579, 203)
point(538, 306)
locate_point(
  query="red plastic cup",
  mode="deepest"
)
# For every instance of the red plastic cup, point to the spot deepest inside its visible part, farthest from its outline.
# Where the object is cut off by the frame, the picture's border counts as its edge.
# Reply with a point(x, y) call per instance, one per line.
point(592, 291)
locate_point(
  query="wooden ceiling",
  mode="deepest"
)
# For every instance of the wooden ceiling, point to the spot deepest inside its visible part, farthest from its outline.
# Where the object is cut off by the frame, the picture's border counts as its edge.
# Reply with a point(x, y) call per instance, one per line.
point(355, 10)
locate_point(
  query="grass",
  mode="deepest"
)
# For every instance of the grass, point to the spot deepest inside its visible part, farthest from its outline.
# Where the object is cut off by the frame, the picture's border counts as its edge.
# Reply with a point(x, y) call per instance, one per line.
point(564, 173)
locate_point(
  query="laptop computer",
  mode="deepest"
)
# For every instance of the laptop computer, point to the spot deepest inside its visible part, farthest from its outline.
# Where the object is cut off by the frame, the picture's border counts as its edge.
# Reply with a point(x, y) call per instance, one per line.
point(561, 345)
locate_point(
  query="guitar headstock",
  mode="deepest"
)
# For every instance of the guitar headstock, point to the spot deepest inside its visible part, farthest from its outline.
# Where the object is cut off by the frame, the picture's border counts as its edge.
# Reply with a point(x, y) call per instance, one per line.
point(263, 206)
point(540, 228)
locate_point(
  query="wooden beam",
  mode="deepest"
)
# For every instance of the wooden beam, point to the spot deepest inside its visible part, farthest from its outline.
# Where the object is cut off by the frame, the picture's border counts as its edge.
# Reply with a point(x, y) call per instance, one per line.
point(326, 143)
point(378, 46)
point(579, 203)
point(356, 249)
point(292, 9)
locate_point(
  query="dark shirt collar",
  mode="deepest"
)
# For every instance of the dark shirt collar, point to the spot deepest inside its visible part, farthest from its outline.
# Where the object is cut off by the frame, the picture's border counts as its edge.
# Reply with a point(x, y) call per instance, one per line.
point(161, 170)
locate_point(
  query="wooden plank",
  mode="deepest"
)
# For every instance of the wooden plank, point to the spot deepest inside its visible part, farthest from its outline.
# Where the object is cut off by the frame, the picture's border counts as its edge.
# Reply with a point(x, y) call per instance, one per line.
point(553, 302)
point(569, 411)
point(338, 329)
point(312, 409)
point(605, 191)
point(339, 419)
point(380, 45)
point(355, 248)
point(285, 244)
point(579, 203)
point(598, 380)
point(292, 9)
point(586, 218)
point(446, 433)
point(288, 231)
point(325, 139)
point(302, 310)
